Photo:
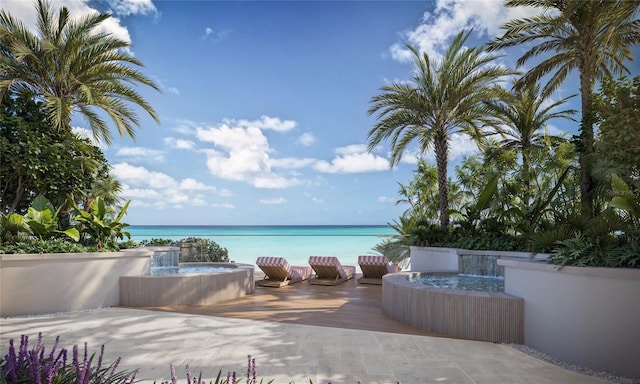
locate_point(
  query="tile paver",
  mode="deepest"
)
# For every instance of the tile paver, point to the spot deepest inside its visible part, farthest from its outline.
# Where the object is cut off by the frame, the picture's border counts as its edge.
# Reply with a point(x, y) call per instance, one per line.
point(151, 340)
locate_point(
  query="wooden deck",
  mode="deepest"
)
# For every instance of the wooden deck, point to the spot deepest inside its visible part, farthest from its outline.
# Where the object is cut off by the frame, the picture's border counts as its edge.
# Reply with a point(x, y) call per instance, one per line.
point(348, 305)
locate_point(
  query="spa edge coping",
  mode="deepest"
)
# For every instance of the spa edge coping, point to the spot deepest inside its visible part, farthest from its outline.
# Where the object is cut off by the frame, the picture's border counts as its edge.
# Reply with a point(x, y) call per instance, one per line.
point(402, 279)
point(535, 265)
point(137, 253)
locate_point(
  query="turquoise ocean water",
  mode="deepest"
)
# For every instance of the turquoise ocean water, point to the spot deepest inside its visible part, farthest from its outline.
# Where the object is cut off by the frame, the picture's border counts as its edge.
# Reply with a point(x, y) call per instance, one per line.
point(295, 243)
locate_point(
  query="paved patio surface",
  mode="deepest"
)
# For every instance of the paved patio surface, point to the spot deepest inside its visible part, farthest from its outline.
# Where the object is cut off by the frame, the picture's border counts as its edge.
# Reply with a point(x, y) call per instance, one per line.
point(151, 340)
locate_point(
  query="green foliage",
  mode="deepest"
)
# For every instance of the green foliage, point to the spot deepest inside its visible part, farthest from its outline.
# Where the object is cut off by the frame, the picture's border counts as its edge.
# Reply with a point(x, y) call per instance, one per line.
point(202, 250)
point(45, 246)
point(158, 241)
point(72, 65)
point(441, 98)
point(618, 146)
point(13, 228)
point(39, 160)
point(100, 226)
point(42, 219)
point(193, 249)
point(601, 241)
point(471, 214)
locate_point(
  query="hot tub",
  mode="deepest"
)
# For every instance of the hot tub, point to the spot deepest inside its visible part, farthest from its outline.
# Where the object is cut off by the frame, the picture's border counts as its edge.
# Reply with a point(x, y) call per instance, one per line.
point(475, 315)
point(230, 281)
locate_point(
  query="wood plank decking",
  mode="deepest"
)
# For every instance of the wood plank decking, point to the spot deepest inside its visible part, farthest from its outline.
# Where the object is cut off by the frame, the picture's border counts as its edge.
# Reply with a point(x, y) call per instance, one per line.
point(349, 305)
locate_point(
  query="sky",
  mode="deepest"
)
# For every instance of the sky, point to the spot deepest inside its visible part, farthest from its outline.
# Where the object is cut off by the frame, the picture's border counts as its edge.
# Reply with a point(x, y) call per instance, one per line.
point(263, 109)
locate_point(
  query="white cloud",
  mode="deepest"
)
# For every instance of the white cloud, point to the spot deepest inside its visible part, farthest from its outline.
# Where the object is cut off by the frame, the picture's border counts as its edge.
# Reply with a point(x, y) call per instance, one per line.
point(190, 184)
point(306, 139)
point(448, 19)
point(243, 153)
point(225, 206)
point(315, 200)
point(291, 162)
point(25, 11)
point(351, 149)
point(274, 200)
point(157, 189)
point(141, 154)
point(129, 7)
point(214, 35)
point(386, 200)
point(172, 142)
point(353, 159)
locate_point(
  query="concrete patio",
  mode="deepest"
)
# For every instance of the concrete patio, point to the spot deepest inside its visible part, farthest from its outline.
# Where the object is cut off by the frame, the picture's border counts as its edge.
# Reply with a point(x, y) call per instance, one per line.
point(285, 352)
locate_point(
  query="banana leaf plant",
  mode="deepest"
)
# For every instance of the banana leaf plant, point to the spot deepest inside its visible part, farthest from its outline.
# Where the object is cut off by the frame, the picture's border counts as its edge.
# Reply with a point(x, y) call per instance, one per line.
point(42, 220)
point(98, 224)
point(626, 199)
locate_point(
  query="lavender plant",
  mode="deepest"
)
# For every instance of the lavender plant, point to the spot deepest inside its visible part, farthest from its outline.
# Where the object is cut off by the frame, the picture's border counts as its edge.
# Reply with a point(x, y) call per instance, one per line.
point(35, 366)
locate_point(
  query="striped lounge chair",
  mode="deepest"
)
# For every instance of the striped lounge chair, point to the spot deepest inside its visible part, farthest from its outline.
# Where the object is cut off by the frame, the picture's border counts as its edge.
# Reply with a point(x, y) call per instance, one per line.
point(329, 271)
point(373, 268)
point(279, 273)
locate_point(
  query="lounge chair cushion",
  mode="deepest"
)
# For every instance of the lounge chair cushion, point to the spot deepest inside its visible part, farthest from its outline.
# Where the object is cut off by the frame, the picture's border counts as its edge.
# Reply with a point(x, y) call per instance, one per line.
point(330, 261)
point(300, 272)
point(374, 267)
point(275, 267)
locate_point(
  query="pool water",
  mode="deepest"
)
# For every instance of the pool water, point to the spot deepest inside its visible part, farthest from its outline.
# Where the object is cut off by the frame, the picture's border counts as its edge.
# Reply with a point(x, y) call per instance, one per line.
point(164, 271)
point(460, 281)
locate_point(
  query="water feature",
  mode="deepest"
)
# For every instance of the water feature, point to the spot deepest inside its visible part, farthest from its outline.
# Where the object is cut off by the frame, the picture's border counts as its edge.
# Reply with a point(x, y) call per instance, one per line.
point(481, 265)
point(460, 281)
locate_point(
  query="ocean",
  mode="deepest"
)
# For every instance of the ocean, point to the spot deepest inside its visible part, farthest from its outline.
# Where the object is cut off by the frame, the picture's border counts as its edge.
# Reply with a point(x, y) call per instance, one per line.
point(295, 243)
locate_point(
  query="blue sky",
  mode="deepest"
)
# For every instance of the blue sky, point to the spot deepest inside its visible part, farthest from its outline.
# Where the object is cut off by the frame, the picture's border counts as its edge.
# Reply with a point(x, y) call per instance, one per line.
point(264, 104)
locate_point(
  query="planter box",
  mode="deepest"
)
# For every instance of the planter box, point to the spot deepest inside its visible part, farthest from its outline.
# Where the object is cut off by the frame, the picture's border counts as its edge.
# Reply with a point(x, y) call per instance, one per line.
point(32, 284)
point(583, 315)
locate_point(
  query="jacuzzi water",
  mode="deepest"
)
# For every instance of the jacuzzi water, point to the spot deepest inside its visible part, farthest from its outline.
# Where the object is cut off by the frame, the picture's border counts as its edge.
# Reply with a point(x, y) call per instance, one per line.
point(460, 281)
point(163, 271)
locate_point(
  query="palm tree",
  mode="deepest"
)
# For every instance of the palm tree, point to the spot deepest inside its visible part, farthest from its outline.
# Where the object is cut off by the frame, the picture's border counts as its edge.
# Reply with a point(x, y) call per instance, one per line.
point(441, 99)
point(72, 66)
point(593, 37)
point(525, 114)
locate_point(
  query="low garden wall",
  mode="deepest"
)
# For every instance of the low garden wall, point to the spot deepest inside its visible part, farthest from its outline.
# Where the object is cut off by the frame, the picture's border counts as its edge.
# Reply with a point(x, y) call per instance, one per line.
point(48, 283)
point(584, 315)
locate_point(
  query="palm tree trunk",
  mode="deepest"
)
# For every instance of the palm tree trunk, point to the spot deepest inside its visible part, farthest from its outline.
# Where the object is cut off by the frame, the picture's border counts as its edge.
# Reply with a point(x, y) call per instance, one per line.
point(586, 145)
point(441, 146)
point(526, 172)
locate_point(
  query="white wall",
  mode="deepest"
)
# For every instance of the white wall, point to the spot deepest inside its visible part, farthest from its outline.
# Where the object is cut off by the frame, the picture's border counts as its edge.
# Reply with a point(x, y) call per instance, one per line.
point(48, 283)
point(583, 315)
point(431, 259)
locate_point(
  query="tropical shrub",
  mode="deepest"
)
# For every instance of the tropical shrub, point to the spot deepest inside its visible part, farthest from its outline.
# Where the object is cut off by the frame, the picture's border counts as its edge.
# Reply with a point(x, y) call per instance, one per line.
point(98, 224)
point(204, 250)
point(45, 246)
point(41, 222)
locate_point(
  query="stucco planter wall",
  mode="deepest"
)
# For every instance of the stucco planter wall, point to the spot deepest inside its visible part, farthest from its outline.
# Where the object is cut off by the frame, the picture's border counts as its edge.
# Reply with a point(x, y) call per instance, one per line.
point(432, 259)
point(587, 316)
point(48, 283)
